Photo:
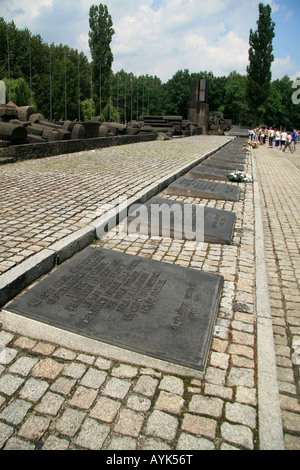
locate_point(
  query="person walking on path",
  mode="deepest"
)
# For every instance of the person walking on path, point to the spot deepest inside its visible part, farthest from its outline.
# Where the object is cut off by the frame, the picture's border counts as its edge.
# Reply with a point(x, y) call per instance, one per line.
point(277, 139)
point(283, 139)
point(294, 139)
point(271, 137)
point(289, 143)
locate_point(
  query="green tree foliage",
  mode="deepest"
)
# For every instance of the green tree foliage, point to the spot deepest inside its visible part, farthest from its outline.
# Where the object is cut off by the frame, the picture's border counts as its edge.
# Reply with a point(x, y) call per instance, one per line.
point(125, 97)
point(20, 91)
point(260, 60)
point(235, 103)
point(100, 37)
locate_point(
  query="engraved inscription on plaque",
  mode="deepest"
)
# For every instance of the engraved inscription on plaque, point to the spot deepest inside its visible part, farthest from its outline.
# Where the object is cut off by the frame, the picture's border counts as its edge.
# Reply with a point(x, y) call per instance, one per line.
point(228, 159)
point(153, 308)
point(209, 173)
point(217, 225)
point(195, 187)
point(223, 165)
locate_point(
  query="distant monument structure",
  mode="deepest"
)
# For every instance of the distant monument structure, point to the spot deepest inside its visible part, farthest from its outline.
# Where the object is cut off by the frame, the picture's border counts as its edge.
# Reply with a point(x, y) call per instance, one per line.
point(2, 92)
point(198, 112)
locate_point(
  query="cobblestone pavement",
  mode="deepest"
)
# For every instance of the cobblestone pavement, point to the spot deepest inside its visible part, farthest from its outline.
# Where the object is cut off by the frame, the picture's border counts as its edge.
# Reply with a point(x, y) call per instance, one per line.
point(55, 397)
point(44, 200)
point(281, 220)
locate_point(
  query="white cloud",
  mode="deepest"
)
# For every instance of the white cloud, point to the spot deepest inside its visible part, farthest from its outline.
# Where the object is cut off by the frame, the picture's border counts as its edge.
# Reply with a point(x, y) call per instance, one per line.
point(283, 66)
point(156, 37)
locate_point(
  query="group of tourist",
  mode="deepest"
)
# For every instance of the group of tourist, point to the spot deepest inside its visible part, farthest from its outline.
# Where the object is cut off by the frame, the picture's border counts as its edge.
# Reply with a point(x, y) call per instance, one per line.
point(282, 140)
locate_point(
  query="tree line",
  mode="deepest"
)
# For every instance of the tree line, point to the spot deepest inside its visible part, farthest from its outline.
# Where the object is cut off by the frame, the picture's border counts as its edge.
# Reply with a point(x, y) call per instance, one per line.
point(61, 83)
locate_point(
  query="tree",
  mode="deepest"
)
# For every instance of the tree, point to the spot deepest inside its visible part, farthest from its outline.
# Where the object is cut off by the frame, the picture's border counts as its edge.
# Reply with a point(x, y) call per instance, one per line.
point(235, 106)
point(100, 37)
point(177, 93)
point(260, 58)
point(20, 91)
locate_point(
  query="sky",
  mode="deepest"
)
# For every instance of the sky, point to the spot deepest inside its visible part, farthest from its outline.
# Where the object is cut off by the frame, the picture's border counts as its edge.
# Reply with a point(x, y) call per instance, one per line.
point(160, 37)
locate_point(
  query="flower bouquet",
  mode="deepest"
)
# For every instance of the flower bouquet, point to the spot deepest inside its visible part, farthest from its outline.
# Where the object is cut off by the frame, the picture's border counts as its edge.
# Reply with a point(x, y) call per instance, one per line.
point(240, 177)
point(254, 145)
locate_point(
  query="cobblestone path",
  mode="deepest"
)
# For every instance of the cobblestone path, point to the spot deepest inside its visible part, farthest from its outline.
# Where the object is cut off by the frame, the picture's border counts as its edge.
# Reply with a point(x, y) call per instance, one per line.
point(278, 181)
point(57, 397)
point(44, 200)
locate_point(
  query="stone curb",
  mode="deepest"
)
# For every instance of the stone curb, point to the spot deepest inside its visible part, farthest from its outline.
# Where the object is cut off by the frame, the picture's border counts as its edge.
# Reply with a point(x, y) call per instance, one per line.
point(269, 412)
point(21, 276)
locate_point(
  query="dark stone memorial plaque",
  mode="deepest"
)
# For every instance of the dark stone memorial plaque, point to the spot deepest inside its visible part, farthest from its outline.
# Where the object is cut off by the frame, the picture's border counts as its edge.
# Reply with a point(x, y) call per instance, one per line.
point(223, 165)
point(195, 187)
point(208, 173)
point(227, 158)
point(150, 307)
point(180, 223)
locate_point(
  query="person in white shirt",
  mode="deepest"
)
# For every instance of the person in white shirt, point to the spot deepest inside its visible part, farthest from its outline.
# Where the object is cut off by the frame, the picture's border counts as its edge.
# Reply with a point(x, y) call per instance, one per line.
point(288, 143)
point(271, 137)
point(283, 139)
point(277, 139)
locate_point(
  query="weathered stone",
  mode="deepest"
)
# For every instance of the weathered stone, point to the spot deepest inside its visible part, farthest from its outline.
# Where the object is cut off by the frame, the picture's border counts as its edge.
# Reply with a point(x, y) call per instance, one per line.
point(24, 112)
point(11, 132)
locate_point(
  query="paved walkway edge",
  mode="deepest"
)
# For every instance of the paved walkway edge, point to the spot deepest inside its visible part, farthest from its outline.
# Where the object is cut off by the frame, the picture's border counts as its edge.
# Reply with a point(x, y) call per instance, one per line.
point(269, 413)
point(18, 278)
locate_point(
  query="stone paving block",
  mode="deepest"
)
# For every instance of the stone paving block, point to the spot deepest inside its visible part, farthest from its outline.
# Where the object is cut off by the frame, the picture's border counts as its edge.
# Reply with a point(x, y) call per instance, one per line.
point(124, 371)
point(55, 443)
point(291, 421)
point(47, 369)
point(192, 443)
point(155, 444)
point(23, 366)
point(220, 360)
point(83, 398)
point(129, 423)
point(33, 389)
point(122, 443)
point(215, 376)
point(242, 414)
point(199, 425)
point(206, 406)
point(162, 425)
point(7, 356)
point(172, 385)
point(169, 402)
point(146, 386)
point(34, 427)
point(241, 377)
point(116, 388)
point(64, 353)
point(74, 370)
point(69, 423)
point(9, 384)
point(218, 391)
point(63, 385)
point(5, 433)
point(139, 403)
point(15, 412)
point(16, 443)
point(92, 435)
point(105, 409)
point(50, 404)
point(239, 435)
point(246, 395)
point(93, 379)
